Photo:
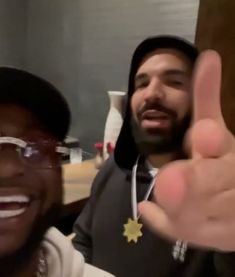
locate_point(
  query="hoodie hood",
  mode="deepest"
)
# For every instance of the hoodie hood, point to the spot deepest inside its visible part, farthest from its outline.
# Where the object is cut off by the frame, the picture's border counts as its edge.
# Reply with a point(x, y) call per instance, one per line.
point(63, 260)
point(126, 152)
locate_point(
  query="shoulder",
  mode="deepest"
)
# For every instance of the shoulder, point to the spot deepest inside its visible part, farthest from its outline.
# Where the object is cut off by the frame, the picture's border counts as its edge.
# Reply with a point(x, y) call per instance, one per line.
point(108, 171)
point(91, 271)
point(64, 260)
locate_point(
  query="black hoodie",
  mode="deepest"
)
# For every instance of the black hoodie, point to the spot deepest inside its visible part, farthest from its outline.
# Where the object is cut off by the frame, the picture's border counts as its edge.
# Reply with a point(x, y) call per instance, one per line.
point(99, 228)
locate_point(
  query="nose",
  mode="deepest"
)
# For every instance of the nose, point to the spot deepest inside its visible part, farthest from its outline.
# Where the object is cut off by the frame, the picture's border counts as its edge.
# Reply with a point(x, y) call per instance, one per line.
point(10, 164)
point(155, 90)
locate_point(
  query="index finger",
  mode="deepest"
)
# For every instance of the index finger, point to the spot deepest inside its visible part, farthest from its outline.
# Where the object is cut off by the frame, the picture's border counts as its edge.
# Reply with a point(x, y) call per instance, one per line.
point(206, 87)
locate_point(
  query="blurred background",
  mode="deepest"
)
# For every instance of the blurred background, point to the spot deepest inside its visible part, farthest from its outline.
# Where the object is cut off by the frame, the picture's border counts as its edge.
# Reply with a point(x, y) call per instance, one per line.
point(84, 47)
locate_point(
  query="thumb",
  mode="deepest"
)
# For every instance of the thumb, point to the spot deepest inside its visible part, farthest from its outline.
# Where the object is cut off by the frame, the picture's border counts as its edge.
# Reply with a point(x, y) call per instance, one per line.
point(155, 218)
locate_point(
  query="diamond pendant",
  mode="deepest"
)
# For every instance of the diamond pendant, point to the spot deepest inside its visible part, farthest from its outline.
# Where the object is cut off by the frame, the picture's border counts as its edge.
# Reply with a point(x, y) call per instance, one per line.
point(179, 250)
point(132, 230)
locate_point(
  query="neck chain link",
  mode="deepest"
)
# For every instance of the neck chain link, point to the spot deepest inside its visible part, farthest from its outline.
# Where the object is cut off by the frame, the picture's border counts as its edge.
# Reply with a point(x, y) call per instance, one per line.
point(42, 265)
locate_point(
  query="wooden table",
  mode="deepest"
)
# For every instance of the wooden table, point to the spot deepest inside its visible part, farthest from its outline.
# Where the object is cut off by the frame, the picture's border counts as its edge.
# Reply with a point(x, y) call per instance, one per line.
point(77, 180)
point(77, 184)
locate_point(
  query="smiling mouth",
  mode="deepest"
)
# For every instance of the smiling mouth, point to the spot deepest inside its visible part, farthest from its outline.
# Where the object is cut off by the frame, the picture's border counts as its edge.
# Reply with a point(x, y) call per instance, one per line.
point(13, 205)
point(153, 119)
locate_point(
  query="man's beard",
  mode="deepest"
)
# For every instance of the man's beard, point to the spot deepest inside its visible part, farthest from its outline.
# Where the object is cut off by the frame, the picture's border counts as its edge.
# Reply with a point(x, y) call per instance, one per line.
point(160, 142)
point(14, 262)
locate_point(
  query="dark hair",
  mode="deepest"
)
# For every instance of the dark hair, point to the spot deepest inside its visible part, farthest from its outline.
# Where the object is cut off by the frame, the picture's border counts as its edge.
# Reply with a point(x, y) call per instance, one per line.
point(153, 43)
point(126, 143)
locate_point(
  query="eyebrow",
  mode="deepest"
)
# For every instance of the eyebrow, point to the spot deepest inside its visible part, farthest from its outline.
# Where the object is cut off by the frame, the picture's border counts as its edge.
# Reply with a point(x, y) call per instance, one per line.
point(140, 77)
point(167, 72)
point(178, 72)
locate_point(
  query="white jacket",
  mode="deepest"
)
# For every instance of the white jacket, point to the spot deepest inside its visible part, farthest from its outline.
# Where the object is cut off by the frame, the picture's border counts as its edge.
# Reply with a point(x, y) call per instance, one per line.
point(64, 261)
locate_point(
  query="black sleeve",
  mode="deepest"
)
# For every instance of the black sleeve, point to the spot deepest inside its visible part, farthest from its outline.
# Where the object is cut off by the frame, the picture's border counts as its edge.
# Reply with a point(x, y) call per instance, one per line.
point(224, 264)
point(83, 225)
point(82, 229)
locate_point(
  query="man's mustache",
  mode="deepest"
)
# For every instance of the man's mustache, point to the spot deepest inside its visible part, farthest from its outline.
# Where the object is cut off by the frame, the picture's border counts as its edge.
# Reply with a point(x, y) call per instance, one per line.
point(157, 107)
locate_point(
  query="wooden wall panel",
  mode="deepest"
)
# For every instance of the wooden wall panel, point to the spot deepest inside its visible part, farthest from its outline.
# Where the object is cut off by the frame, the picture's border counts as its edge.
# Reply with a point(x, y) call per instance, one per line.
point(216, 30)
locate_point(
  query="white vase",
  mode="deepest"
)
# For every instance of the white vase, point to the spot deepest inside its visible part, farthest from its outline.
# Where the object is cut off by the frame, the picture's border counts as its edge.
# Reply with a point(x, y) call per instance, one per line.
point(114, 119)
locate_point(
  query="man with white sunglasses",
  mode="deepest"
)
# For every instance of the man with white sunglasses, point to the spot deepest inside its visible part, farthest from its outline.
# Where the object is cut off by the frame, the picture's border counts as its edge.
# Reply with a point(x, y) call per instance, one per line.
point(34, 120)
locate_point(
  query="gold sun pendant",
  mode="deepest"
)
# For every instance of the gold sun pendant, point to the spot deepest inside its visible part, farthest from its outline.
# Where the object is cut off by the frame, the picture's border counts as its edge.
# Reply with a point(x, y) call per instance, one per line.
point(132, 230)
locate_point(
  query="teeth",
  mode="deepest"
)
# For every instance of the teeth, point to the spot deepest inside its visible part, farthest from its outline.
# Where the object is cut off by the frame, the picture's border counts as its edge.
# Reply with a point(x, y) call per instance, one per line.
point(14, 198)
point(152, 116)
point(157, 117)
point(9, 213)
